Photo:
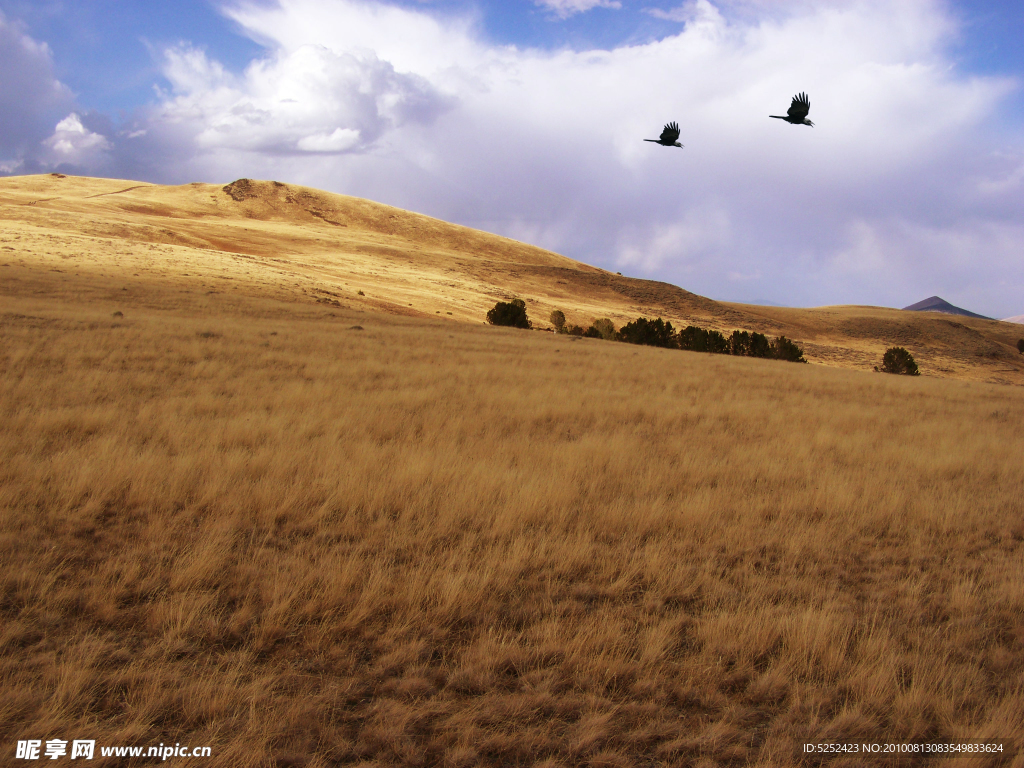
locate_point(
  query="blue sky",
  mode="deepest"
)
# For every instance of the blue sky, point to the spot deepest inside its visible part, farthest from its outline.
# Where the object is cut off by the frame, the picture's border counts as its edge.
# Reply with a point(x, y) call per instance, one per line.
point(526, 119)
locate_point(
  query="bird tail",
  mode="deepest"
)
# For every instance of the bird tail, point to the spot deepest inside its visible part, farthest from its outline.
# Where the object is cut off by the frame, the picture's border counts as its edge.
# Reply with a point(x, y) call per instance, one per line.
point(778, 117)
point(654, 140)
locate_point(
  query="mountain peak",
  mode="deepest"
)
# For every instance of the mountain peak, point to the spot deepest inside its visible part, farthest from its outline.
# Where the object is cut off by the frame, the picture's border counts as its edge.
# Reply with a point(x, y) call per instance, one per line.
point(938, 304)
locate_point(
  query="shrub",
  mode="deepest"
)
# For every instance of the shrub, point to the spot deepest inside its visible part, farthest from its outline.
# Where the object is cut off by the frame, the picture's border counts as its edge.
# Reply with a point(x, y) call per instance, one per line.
point(898, 360)
point(693, 339)
point(759, 345)
point(592, 333)
point(1020, 346)
point(739, 343)
point(574, 330)
point(784, 349)
point(717, 343)
point(653, 333)
point(558, 319)
point(752, 344)
point(512, 314)
point(605, 327)
point(696, 339)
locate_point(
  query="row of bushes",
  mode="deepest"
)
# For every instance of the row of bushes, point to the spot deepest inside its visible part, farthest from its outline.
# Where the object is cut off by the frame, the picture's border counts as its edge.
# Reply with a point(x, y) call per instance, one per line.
point(657, 333)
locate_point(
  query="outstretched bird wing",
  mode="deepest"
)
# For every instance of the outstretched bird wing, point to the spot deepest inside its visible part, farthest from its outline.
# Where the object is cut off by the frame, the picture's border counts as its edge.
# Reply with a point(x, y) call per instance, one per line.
point(799, 108)
point(671, 133)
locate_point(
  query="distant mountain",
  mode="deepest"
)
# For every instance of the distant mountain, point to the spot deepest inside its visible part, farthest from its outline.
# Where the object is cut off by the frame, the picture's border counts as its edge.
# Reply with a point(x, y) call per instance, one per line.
point(1014, 319)
point(935, 304)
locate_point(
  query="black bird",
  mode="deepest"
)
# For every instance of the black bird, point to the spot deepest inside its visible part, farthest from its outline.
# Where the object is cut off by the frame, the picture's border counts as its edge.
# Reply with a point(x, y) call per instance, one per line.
point(798, 110)
point(669, 136)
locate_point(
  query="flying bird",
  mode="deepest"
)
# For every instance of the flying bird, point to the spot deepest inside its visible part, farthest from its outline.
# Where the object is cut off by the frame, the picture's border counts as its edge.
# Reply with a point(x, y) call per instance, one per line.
point(798, 110)
point(669, 136)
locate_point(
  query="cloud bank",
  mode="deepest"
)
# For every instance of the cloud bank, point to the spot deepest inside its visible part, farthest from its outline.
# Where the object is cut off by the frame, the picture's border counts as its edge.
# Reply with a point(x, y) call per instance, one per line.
point(31, 97)
point(908, 185)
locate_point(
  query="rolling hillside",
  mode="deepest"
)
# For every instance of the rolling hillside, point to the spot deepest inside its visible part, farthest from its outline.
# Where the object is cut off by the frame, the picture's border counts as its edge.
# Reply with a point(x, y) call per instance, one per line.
point(201, 245)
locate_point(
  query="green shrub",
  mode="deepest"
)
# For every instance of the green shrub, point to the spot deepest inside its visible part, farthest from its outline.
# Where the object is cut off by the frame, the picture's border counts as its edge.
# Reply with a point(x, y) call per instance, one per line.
point(694, 339)
point(759, 345)
point(652, 333)
point(717, 343)
point(558, 319)
point(898, 360)
point(784, 349)
point(752, 344)
point(657, 333)
point(592, 333)
point(739, 343)
point(512, 314)
point(605, 327)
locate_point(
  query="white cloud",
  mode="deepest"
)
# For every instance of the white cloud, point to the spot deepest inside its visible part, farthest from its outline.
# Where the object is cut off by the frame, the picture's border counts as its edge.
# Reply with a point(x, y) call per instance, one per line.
point(409, 40)
point(563, 9)
point(936, 259)
point(338, 141)
point(31, 97)
point(898, 176)
point(310, 99)
point(73, 143)
point(702, 234)
point(696, 12)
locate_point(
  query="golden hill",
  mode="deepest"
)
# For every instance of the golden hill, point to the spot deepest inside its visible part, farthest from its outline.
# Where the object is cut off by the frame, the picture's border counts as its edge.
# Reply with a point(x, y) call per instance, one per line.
point(96, 237)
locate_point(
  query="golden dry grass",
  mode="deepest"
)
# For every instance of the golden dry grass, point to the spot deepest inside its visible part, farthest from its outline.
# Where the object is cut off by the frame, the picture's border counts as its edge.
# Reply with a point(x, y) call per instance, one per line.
point(229, 517)
point(255, 527)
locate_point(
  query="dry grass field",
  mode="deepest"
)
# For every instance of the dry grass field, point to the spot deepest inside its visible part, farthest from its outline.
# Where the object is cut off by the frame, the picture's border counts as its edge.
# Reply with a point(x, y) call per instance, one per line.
point(325, 534)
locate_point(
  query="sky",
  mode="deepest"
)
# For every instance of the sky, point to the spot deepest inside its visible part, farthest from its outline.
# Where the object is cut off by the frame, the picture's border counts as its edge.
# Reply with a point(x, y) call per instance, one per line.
point(527, 119)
